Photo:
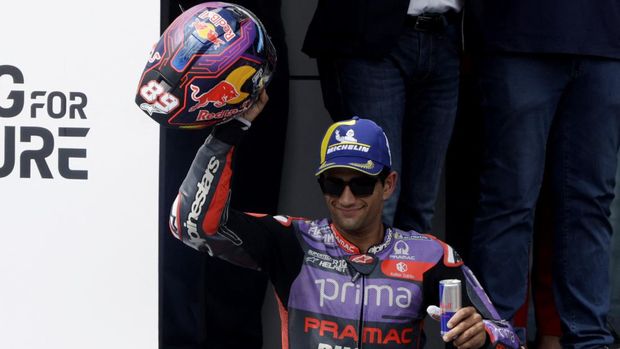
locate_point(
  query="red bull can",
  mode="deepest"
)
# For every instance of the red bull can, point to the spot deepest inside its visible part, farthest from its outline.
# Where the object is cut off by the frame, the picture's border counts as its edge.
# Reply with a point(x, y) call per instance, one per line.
point(449, 301)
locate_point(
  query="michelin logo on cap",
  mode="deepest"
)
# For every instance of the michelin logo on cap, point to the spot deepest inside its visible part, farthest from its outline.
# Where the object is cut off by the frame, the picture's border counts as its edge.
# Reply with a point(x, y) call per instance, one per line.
point(349, 137)
point(359, 144)
point(347, 142)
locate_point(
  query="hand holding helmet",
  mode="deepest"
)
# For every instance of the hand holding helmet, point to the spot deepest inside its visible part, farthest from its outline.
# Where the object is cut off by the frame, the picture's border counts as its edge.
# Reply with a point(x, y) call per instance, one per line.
point(256, 108)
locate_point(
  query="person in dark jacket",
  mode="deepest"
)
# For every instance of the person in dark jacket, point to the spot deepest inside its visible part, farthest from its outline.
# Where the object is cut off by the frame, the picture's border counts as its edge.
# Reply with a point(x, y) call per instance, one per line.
point(395, 62)
point(549, 76)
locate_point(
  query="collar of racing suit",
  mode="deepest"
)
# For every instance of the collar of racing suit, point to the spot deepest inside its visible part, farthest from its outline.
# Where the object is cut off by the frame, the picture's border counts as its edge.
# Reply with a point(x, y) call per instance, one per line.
point(350, 248)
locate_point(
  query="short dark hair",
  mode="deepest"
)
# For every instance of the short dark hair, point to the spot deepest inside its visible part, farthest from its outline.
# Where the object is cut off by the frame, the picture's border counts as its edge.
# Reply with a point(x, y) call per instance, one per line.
point(384, 174)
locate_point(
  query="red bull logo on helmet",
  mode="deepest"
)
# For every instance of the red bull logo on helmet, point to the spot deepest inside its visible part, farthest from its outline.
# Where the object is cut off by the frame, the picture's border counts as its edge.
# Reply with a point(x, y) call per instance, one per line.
point(206, 31)
point(218, 95)
point(227, 91)
point(217, 20)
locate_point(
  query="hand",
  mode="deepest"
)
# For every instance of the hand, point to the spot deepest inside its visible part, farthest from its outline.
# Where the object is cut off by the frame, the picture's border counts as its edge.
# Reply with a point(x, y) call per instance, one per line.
point(257, 107)
point(467, 329)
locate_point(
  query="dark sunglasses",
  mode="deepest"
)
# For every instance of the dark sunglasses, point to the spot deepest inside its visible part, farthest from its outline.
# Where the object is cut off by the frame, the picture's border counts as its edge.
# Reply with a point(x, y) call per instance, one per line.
point(360, 186)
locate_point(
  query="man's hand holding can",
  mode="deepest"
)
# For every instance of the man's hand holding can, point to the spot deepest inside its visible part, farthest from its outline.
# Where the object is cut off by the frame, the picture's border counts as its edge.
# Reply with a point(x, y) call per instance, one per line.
point(462, 326)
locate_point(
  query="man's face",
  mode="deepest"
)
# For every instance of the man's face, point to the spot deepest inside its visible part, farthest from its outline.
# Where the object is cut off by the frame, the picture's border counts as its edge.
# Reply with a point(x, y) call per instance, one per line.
point(356, 214)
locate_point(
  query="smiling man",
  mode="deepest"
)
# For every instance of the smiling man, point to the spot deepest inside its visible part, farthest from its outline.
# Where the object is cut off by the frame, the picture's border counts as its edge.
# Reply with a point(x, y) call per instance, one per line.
point(344, 282)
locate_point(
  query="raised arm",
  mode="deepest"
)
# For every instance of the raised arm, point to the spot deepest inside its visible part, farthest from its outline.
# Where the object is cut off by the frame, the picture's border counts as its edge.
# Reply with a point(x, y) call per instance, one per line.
point(200, 208)
point(201, 216)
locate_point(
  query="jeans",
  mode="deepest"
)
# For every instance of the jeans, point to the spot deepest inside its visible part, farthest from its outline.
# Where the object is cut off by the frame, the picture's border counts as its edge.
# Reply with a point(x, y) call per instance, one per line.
point(615, 258)
point(412, 94)
point(568, 109)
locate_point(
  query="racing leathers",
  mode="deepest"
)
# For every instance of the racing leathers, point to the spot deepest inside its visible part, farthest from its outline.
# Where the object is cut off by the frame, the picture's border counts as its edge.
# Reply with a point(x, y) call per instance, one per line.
point(331, 295)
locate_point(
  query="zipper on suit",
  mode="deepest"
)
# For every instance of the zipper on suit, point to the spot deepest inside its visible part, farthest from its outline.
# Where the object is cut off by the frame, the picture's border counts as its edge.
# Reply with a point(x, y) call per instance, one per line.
point(360, 330)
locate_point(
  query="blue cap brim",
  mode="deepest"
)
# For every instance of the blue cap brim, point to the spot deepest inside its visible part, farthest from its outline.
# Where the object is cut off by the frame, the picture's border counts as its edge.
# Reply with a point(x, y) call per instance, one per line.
point(363, 165)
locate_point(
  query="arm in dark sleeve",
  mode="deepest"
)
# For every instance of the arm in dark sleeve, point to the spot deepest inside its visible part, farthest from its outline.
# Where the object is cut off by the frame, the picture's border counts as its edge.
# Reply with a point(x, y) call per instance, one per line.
point(202, 219)
point(500, 333)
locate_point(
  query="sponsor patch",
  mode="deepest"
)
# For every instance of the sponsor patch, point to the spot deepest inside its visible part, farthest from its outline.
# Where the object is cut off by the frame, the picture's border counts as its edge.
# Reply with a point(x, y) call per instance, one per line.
point(355, 147)
point(338, 265)
point(330, 331)
point(401, 236)
point(204, 186)
point(362, 259)
point(387, 240)
point(322, 233)
point(407, 270)
point(401, 251)
point(331, 290)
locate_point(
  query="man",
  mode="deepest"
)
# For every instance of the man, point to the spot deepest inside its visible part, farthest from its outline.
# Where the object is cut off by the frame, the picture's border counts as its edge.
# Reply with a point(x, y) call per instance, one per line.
point(346, 282)
point(395, 62)
point(549, 76)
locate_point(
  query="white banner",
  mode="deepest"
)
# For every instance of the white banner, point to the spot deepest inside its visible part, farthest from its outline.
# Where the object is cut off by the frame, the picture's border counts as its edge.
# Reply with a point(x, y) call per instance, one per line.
point(78, 176)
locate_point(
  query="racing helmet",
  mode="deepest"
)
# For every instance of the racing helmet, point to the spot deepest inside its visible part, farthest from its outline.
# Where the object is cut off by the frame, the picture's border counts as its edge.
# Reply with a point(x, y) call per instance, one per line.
point(208, 66)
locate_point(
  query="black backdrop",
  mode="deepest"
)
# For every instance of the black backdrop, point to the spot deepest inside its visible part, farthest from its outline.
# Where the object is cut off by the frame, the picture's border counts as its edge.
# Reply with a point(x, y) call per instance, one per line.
point(205, 302)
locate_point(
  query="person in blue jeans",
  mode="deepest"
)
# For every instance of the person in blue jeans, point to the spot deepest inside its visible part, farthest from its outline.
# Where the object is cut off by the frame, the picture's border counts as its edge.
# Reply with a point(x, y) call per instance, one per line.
point(396, 63)
point(614, 314)
point(549, 78)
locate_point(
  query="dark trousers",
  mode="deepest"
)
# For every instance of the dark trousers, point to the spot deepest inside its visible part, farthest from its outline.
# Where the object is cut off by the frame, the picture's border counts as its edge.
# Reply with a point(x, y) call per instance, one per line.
point(567, 107)
point(412, 94)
